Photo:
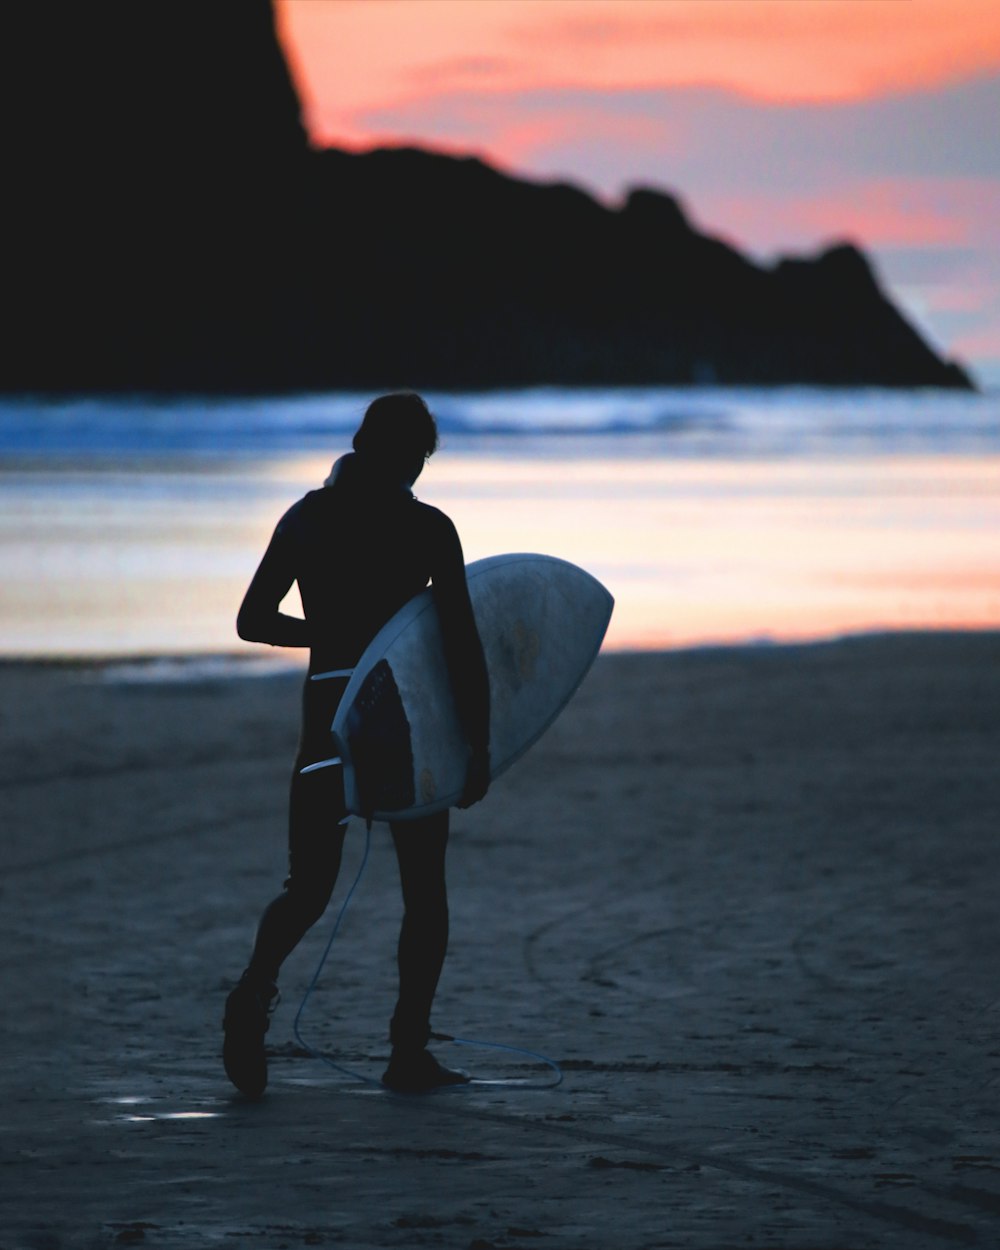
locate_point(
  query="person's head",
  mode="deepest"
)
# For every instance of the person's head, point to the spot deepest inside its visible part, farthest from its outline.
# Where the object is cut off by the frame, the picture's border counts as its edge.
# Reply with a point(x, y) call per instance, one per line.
point(397, 435)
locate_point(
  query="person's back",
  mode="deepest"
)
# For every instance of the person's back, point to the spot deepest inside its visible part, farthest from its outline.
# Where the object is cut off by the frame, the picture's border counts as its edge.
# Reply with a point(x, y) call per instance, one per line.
point(351, 588)
point(359, 549)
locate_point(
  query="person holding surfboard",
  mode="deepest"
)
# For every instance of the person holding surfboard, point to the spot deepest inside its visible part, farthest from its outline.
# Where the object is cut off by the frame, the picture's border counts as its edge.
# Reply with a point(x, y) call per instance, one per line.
point(360, 547)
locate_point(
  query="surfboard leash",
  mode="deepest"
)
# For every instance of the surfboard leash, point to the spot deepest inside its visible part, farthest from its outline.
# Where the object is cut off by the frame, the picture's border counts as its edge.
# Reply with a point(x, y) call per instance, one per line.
point(296, 1030)
point(498, 1082)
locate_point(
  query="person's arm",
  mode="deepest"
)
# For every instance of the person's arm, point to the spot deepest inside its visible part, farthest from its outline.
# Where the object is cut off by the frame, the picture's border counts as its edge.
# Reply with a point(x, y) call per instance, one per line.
point(259, 619)
point(464, 655)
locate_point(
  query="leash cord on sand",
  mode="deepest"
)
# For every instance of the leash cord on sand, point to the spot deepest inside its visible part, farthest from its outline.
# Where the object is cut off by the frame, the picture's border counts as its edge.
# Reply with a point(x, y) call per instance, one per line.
point(458, 1041)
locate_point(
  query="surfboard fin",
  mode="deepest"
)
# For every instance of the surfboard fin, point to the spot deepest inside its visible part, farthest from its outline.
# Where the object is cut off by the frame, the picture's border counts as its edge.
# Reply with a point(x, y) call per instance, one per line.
point(312, 768)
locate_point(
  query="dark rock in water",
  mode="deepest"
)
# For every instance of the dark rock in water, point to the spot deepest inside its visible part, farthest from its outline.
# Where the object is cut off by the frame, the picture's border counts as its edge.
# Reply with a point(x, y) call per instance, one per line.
point(169, 229)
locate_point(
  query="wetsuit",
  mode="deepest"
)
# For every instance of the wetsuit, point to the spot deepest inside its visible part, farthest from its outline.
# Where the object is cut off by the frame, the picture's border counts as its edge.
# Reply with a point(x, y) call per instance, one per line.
point(359, 549)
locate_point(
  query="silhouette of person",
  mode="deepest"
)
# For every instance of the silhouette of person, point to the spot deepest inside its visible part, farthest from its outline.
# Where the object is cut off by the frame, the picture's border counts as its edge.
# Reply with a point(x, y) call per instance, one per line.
point(360, 547)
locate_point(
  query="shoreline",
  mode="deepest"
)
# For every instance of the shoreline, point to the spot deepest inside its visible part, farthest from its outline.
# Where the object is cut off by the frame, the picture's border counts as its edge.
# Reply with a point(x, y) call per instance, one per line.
point(275, 662)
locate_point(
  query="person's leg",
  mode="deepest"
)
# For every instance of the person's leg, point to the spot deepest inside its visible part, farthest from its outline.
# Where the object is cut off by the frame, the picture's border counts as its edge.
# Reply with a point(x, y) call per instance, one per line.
point(423, 936)
point(315, 841)
point(316, 827)
point(423, 941)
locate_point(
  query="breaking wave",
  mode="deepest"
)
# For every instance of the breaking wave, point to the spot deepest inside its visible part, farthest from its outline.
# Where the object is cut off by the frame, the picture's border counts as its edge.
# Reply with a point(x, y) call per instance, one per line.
point(681, 421)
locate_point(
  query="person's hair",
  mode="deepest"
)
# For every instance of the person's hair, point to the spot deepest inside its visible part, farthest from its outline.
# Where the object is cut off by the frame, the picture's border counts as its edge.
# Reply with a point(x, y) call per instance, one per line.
point(397, 427)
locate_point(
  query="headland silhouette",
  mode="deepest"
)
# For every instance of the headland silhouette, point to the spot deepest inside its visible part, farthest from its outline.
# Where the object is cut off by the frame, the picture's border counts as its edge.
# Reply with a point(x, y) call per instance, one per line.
point(173, 231)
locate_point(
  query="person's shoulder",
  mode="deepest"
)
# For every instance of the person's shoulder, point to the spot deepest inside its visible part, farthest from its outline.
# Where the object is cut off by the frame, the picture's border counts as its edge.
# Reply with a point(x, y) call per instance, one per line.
point(436, 523)
point(431, 515)
point(300, 513)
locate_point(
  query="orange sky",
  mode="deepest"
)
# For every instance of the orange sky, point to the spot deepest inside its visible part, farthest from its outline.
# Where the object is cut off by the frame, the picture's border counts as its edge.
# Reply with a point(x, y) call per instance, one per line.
point(355, 53)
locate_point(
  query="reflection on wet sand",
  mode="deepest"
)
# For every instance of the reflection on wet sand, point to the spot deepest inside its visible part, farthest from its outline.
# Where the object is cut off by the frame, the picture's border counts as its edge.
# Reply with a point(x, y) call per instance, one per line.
point(154, 561)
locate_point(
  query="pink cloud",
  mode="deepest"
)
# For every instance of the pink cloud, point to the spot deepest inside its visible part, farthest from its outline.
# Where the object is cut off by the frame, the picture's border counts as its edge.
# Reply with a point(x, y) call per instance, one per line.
point(526, 140)
point(973, 296)
point(370, 55)
point(983, 341)
point(878, 212)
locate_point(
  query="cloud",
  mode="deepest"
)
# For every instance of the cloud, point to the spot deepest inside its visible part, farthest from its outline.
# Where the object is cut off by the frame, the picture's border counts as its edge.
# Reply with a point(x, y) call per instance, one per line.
point(718, 138)
point(879, 211)
point(953, 294)
point(364, 55)
point(985, 341)
point(452, 69)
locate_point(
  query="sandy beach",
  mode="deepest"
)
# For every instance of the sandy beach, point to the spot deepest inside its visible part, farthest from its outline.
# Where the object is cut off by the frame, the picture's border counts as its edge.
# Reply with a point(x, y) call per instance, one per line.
point(747, 898)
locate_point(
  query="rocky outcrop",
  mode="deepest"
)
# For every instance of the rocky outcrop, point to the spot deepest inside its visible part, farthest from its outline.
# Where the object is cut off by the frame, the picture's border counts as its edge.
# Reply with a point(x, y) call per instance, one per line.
point(171, 230)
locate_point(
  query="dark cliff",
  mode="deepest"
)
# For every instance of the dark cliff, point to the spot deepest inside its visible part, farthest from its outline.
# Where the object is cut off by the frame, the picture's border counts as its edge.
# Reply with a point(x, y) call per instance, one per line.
point(169, 229)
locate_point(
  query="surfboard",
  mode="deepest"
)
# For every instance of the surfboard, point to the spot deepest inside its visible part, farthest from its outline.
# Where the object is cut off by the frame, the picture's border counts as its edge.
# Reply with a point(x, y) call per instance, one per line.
point(396, 731)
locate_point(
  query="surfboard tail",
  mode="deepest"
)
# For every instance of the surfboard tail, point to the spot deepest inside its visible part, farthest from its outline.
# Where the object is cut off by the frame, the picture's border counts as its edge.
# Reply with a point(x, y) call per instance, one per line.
point(380, 744)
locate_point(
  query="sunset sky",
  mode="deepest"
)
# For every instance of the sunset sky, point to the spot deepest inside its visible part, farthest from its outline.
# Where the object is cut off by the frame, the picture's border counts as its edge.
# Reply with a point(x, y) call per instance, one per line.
point(780, 124)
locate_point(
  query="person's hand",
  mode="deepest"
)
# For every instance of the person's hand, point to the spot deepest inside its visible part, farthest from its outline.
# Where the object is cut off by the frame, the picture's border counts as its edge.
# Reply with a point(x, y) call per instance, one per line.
point(477, 778)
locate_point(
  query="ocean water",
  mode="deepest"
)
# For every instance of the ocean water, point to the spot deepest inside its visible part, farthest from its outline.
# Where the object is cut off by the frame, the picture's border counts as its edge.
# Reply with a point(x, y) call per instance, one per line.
point(130, 527)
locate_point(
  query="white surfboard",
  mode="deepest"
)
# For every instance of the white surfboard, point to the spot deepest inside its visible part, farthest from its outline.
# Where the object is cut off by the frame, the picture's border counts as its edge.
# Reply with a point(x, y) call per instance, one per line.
point(541, 621)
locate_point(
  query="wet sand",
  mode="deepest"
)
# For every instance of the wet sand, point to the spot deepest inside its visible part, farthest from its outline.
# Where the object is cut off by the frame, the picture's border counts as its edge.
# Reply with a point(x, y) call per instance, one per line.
point(747, 898)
